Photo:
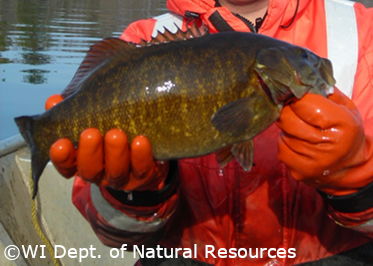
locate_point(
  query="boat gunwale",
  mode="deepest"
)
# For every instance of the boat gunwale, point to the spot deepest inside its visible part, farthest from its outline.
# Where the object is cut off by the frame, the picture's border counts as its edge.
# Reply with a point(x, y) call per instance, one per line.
point(11, 145)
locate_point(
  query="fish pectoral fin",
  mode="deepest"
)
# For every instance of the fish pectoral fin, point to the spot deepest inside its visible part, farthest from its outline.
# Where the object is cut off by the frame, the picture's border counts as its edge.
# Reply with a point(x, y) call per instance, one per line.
point(244, 154)
point(224, 156)
point(234, 118)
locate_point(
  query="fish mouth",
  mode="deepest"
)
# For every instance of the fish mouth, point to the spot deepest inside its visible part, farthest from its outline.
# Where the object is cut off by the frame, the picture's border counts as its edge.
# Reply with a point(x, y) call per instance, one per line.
point(276, 84)
point(297, 81)
point(264, 87)
point(285, 72)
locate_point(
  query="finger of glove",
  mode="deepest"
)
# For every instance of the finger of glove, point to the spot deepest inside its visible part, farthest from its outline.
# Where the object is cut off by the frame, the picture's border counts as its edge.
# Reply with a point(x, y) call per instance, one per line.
point(307, 149)
point(341, 99)
point(301, 164)
point(90, 156)
point(162, 172)
point(338, 97)
point(319, 111)
point(307, 159)
point(117, 158)
point(337, 123)
point(63, 156)
point(142, 162)
point(153, 180)
point(52, 101)
point(294, 126)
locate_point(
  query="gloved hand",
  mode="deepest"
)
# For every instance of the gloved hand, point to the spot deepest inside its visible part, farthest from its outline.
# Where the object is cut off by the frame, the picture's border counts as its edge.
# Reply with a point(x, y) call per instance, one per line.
point(324, 145)
point(123, 168)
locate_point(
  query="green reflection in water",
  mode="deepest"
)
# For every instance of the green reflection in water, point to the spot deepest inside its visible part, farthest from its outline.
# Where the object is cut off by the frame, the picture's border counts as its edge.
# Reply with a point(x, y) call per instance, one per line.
point(30, 30)
point(42, 43)
point(35, 76)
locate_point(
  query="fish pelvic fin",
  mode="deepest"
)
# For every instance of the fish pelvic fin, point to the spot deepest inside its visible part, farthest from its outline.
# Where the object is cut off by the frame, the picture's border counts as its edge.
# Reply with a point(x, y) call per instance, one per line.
point(244, 154)
point(39, 159)
point(224, 156)
point(242, 151)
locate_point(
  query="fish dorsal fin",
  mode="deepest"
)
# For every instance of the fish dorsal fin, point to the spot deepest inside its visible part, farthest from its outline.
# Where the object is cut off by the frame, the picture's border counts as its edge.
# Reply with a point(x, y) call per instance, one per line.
point(97, 54)
point(193, 31)
point(113, 47)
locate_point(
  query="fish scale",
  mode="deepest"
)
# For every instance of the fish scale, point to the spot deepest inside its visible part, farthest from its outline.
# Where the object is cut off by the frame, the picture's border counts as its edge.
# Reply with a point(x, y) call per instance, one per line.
point(188, 97)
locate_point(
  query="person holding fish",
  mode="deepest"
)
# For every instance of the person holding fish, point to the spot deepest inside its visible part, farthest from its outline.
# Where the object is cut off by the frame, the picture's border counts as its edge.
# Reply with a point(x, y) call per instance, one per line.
point(310, 187)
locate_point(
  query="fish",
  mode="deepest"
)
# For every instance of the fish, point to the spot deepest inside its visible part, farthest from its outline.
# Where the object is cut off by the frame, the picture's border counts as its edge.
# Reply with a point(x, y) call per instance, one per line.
point(191, 93)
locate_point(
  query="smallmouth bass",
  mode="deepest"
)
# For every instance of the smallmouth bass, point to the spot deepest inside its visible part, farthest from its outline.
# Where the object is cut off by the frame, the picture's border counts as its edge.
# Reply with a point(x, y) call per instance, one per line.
point(188, 97)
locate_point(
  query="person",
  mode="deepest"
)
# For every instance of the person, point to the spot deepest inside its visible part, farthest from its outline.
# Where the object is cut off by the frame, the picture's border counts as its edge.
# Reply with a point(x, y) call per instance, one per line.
point(308, 198)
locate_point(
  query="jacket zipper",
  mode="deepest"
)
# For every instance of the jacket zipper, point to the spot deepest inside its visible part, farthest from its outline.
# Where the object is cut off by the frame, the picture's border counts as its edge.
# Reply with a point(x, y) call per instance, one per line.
point(253, 28)
point(258, 22)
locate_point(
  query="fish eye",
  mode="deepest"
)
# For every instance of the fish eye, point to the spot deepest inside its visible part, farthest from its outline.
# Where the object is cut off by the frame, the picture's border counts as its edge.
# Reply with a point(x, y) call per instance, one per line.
point(303, 53)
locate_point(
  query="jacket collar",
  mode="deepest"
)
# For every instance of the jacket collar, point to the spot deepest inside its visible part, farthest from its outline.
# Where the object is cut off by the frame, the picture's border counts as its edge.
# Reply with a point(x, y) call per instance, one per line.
point(280, 12)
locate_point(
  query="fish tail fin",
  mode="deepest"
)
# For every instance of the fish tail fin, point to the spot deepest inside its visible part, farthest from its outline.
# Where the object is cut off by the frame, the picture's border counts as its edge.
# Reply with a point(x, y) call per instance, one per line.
point(25, 126)
point(39, 158)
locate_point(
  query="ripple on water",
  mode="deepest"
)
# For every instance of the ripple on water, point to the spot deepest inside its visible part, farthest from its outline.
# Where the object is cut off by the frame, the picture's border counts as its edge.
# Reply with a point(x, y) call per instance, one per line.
point(42, 44)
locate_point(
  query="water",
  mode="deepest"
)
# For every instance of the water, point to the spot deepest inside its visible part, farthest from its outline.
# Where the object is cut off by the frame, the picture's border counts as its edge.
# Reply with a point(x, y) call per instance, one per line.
point(42, 43)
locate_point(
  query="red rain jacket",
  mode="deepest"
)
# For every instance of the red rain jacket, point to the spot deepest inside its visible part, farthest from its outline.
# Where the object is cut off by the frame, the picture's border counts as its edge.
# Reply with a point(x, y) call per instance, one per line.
point(229, 208)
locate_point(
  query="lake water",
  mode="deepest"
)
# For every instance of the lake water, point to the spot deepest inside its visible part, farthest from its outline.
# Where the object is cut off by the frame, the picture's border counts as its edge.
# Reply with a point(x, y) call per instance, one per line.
point(42, 43)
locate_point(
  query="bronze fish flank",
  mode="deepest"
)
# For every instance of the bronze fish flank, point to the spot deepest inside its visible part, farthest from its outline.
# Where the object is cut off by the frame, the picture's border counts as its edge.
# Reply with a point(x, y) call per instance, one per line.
point(189, 97)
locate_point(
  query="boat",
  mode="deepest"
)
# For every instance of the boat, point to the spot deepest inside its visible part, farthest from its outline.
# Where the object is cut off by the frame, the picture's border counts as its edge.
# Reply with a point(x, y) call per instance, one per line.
point(61, 223)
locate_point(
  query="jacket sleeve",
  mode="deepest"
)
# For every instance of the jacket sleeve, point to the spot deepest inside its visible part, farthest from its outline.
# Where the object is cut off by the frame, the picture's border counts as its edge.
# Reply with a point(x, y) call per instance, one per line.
point(118, 217)
point(356, 210)
point(139, 30)
point(116, 223)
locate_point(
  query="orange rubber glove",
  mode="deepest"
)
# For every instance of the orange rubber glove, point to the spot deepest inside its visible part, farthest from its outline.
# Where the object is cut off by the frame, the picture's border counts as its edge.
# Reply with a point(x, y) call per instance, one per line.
point(324, 145)
point(122, 167)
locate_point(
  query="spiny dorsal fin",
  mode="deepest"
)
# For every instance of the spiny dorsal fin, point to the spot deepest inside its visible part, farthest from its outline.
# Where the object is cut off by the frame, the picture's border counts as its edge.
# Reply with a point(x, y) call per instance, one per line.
point(97, 54)
point(193, 31)
point(112, 47)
